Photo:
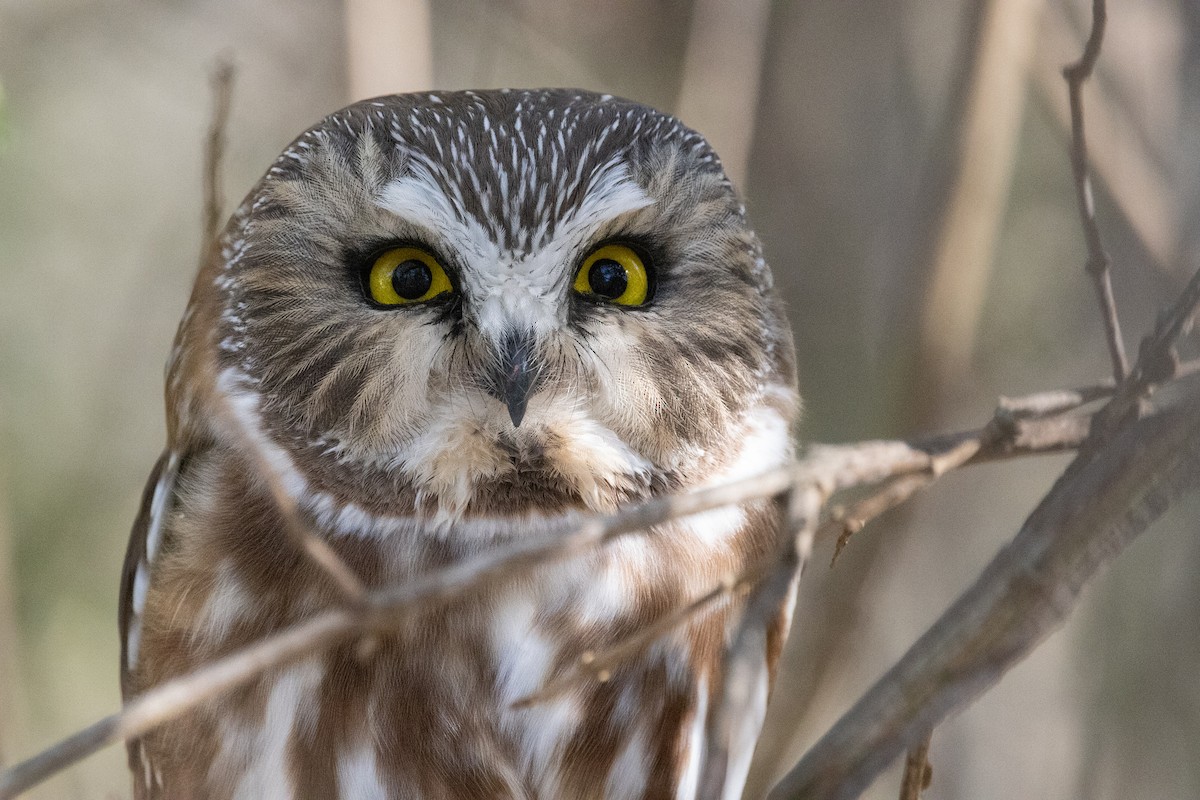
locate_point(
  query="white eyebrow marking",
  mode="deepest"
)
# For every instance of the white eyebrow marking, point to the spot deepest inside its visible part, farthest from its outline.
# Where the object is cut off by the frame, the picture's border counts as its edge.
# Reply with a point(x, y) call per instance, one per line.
point(611, 193)
point(522, 288)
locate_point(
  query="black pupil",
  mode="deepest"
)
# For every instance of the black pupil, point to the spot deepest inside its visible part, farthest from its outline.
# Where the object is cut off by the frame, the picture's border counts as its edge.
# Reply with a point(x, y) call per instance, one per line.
point(411, 279)
point(608, 278)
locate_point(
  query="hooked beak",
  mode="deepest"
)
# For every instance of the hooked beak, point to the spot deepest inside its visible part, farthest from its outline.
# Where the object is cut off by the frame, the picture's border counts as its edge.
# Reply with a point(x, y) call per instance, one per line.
point(516, 374)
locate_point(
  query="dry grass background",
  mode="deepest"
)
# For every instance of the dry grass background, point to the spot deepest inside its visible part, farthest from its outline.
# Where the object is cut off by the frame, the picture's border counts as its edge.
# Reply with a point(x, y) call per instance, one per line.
point(849, 175)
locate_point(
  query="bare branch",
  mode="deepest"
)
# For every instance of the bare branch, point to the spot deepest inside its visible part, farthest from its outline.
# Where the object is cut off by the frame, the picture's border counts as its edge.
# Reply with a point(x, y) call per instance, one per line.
point(315, 548)
point(826, 469)
point(509, 562)
point(171, 699)
point(1099, 505)
point(1128, 152)
point(1098, 261)
point(214, 154)
point(898, 490)
point(1016, 428)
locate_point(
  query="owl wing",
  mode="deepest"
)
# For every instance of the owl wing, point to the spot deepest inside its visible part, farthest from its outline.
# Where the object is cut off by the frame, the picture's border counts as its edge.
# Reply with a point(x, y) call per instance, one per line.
point(144, 541)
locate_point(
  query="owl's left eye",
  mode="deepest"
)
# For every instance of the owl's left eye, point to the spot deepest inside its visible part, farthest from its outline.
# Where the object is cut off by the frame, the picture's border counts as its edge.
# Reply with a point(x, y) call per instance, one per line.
point(405, 275)
point(615, 273)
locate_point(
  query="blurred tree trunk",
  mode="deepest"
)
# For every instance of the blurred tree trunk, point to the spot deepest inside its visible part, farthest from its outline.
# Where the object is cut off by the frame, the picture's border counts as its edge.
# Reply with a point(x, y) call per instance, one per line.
point(718, 94)
point(969, 197)
point(958, 216)
point(389, 47)
point(12, 712)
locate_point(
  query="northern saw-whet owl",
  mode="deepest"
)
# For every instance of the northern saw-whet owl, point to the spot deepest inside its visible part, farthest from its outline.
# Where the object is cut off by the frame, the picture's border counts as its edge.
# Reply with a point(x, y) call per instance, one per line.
point(449, 319)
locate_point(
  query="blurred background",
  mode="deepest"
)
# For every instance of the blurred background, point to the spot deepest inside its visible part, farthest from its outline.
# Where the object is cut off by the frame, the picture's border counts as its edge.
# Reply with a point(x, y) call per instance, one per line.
point(905, 163)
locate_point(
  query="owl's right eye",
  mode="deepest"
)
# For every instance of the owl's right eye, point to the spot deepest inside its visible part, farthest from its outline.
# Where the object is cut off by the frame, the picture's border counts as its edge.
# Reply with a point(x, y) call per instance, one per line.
point(405, 275)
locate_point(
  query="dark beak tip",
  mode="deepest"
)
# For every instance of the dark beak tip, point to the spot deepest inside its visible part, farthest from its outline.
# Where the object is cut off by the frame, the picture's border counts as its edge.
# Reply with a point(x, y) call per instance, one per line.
point(518, 377)
point(516, 411)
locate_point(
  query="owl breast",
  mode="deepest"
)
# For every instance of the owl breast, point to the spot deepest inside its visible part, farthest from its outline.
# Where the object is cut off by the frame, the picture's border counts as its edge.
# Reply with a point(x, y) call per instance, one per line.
point(449, 703)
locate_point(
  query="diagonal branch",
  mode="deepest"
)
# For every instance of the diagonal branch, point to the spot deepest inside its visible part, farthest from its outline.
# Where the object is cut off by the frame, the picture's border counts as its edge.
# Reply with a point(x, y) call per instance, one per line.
point(1096, 508)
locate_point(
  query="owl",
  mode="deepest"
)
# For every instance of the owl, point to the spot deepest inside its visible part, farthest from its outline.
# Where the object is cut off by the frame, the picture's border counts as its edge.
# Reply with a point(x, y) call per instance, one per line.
point(447, 320)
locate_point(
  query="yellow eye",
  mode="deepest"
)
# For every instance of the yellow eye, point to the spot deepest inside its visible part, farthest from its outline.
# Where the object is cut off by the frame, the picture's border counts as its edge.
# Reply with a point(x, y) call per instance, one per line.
point(614, 273)
point(406, 275)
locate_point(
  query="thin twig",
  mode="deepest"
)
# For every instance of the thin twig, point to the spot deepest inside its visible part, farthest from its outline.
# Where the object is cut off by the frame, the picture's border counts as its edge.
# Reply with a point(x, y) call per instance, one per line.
point(301, 535)
point(510, 562)
point(171, 699)
point(917, 772)
point(1098, 261)
point(903, 487)
point(847, 523)
point(214, 154)
point(598, 665)
point(315, 548)
point(1045, 404)
point(1008, 430)
point(1045, 409)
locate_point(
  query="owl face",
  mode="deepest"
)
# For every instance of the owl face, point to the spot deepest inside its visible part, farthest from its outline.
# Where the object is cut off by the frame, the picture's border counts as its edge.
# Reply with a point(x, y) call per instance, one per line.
point(472, 303)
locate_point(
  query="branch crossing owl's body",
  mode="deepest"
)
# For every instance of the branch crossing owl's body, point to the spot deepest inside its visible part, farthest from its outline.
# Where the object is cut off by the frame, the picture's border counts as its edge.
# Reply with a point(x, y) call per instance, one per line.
point(446, 320)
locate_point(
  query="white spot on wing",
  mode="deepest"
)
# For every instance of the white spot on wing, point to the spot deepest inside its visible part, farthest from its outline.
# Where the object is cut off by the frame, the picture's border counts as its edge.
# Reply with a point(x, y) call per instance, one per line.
point(524, 656)
point(141, 576)
point(689, 780)
point(627, 777)
point(141, 585)
point(358, 775)
point(225, 605)
point(259, 753)
point(745, 729)
point(158, 505)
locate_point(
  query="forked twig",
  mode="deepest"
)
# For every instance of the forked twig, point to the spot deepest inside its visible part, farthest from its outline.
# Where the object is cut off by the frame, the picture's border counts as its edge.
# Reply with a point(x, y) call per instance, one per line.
point(1098, 261)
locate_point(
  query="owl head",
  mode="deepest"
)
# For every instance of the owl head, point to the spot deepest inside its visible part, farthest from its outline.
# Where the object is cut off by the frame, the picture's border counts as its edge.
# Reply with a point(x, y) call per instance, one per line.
point(475, 303)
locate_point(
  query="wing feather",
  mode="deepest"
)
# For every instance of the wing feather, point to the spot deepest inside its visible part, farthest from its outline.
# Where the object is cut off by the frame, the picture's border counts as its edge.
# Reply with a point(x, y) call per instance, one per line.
point(144, 541)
